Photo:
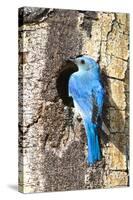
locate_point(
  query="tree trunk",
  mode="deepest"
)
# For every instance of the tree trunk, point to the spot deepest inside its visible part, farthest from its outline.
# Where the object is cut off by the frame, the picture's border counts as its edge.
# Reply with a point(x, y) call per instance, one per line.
point(52, 143)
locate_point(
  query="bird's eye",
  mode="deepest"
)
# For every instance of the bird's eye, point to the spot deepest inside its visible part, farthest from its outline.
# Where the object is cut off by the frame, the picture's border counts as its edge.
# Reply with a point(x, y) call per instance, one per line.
point(82, 61)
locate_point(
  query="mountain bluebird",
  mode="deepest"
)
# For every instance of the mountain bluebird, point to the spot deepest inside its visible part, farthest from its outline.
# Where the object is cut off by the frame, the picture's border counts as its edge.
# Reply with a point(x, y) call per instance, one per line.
point(88, 95)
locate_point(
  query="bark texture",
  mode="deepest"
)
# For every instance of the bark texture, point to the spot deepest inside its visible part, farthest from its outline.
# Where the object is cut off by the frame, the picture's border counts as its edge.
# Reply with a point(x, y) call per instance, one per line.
point(52, 142)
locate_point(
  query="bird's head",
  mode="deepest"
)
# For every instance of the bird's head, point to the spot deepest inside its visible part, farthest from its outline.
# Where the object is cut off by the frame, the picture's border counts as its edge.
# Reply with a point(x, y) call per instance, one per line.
point(85, 63)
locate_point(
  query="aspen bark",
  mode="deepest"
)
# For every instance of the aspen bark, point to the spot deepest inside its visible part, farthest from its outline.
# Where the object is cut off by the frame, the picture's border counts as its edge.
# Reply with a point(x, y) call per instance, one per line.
point(52, 143)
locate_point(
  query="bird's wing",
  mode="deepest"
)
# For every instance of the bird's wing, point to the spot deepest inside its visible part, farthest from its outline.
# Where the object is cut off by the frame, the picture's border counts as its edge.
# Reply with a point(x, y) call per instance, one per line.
point(89, 98)
point(97, 99)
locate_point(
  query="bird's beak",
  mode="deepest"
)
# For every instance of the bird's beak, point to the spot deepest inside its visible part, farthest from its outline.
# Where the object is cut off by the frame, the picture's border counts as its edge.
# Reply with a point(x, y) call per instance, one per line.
point(72, 59)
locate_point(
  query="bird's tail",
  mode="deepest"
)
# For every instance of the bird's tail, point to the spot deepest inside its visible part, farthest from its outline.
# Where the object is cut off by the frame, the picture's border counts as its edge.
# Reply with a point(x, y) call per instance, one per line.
point(94, 153)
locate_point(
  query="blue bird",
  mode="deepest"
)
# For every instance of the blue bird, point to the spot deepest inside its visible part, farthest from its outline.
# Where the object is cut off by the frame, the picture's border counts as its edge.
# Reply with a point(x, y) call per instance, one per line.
point(88, 96)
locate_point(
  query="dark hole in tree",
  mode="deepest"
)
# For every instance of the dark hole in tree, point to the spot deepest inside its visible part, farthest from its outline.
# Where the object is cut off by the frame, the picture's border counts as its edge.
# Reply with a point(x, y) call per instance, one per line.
point(62, 82)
